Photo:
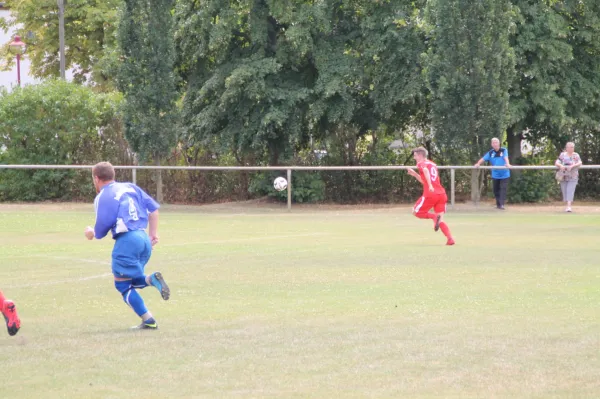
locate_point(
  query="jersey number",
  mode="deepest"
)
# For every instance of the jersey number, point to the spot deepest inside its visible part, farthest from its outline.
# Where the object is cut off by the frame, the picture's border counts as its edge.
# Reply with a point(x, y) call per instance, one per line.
point(434, 174)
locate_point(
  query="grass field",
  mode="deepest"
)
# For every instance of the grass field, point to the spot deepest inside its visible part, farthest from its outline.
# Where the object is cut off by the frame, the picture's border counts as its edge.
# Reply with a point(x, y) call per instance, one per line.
point(318, 302)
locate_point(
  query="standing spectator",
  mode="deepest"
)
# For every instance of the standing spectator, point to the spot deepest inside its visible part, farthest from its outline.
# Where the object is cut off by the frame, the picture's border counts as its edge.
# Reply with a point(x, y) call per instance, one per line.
point(568, 162)
point(498, 156)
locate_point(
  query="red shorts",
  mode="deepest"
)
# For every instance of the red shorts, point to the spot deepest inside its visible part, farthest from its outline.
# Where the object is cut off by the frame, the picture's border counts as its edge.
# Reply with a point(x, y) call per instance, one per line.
point(435, 201)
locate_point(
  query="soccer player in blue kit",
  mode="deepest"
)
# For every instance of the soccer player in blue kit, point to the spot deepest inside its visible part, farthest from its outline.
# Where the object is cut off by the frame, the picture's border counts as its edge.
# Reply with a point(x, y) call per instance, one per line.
point(126, 210)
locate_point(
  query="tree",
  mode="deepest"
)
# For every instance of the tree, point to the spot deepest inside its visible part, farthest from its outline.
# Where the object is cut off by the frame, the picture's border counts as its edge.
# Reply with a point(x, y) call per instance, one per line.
point(57, 123)
point(147, 79)
point(90, 37)
point(248, 72)
point(263, 74)
point(369, 75)
point(556, 91)
point(469, 68)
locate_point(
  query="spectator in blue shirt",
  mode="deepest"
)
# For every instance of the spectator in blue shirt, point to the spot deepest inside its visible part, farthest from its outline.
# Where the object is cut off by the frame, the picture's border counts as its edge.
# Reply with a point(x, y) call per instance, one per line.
point(126, 210)
point(498, 156)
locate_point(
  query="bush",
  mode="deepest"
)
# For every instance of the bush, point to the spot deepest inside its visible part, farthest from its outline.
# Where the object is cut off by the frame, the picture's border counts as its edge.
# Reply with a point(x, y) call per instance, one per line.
point(532, 186)
point(56, 123)
point(306, 186)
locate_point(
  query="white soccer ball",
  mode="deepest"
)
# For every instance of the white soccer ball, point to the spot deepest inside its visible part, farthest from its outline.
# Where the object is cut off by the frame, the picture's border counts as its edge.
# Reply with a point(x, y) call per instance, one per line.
point(280, 184)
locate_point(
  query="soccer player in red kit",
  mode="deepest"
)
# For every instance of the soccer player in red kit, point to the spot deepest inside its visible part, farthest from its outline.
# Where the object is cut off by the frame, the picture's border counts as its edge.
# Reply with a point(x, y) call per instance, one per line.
point(9, 311)
point(434, 195)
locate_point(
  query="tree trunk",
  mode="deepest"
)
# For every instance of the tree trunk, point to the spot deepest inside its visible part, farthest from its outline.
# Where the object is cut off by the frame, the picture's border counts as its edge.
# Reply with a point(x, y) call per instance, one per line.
point(513, 144)
point(159, 183)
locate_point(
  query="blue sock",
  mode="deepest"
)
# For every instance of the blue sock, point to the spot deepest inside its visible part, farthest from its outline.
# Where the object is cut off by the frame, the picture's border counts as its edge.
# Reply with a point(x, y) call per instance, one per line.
point(131, 297)
point(139, 282)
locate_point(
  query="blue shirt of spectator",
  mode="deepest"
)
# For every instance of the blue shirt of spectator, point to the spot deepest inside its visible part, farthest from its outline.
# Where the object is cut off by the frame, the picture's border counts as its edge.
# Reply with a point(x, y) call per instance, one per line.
point(498, 158)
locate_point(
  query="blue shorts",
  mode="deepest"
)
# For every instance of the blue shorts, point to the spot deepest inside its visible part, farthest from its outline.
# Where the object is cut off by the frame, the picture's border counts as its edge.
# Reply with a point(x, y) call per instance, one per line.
point(131, 253)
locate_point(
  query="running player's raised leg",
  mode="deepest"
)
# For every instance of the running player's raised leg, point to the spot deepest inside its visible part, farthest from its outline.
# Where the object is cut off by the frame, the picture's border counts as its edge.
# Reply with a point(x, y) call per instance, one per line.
point(440, 211)
point(422, 207)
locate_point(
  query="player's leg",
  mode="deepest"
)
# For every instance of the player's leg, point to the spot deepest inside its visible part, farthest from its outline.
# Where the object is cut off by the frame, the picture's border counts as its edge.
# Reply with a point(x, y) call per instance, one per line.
point(135, 301)
point(422, 207)
point(158, 281)
point(11, 317)
point(155, 279)
point(440, 211)
point(129, 274)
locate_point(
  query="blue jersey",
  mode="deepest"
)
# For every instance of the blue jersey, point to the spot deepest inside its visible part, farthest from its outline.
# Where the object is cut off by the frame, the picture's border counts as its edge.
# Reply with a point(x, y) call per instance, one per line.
point(122, 207)
point(496, 158)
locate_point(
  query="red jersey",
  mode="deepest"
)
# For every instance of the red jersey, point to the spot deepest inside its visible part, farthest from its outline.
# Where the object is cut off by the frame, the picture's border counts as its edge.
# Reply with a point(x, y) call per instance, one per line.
point(433, 176)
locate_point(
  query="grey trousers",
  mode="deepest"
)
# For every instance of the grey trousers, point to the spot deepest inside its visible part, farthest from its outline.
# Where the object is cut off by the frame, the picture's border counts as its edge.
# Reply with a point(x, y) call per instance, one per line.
point(568, 189)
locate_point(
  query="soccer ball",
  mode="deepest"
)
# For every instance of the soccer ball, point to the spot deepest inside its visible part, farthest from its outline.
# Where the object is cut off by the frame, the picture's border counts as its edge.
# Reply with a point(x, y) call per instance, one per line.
point(280, 184)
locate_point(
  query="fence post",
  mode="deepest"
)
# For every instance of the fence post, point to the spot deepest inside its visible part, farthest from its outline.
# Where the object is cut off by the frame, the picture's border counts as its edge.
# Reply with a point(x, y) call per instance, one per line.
point(289, 189)
point(134, 175)
point(452, 187)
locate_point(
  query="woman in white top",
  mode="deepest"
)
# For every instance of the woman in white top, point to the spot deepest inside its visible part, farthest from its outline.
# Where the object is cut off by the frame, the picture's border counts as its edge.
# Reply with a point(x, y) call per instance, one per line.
point(569, 162)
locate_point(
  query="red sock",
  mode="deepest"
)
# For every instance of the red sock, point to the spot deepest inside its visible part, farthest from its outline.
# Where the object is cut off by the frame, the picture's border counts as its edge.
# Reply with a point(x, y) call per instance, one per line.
point(445, 229)
point(2, 298)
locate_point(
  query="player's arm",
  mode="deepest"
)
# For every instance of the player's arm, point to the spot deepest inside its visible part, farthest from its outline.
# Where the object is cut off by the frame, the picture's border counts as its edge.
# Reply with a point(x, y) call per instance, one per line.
point(151, 207)
point(415, 175)
point(428, 179)
point(106, 217)
point(153, 227)
point(478, 163)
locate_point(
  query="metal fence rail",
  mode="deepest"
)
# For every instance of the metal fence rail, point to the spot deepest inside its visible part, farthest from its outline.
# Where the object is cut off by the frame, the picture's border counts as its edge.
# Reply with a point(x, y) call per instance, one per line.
point(290, 169)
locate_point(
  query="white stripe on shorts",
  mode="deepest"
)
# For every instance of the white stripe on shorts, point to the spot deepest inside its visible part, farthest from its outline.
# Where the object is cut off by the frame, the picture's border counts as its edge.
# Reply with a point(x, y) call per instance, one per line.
point(419, 205)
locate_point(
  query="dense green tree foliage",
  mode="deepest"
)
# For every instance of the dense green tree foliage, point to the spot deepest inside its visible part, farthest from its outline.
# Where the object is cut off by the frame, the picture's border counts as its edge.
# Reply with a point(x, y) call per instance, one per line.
point(469, 68)
point(147, 78)
point(333, 82)
point(90, 37)
point(264, 75)
point(556, 91)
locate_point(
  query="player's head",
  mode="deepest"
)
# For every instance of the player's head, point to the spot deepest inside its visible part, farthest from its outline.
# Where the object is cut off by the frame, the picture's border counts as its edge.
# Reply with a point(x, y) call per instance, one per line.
point(496, 143)
point(102, 174)
point(419, 154)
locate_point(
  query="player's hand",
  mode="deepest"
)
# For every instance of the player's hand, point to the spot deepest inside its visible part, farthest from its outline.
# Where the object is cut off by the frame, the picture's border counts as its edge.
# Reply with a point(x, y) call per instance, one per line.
point(431, 189)
point(154, 240)
point(89, 233)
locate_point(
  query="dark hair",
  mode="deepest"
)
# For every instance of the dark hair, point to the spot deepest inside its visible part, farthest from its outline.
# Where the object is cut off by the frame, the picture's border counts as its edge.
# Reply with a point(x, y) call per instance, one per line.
point(104, 171)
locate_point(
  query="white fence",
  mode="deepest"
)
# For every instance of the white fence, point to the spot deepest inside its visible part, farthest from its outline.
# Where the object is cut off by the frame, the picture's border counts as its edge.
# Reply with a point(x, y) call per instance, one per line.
point(289, 170)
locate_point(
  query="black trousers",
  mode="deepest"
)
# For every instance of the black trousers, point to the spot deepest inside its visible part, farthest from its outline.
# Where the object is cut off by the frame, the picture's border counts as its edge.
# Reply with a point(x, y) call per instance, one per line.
point(500, 187)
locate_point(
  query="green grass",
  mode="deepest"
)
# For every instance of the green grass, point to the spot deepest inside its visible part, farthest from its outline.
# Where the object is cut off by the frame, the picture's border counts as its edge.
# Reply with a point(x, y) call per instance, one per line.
point(319, 302)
